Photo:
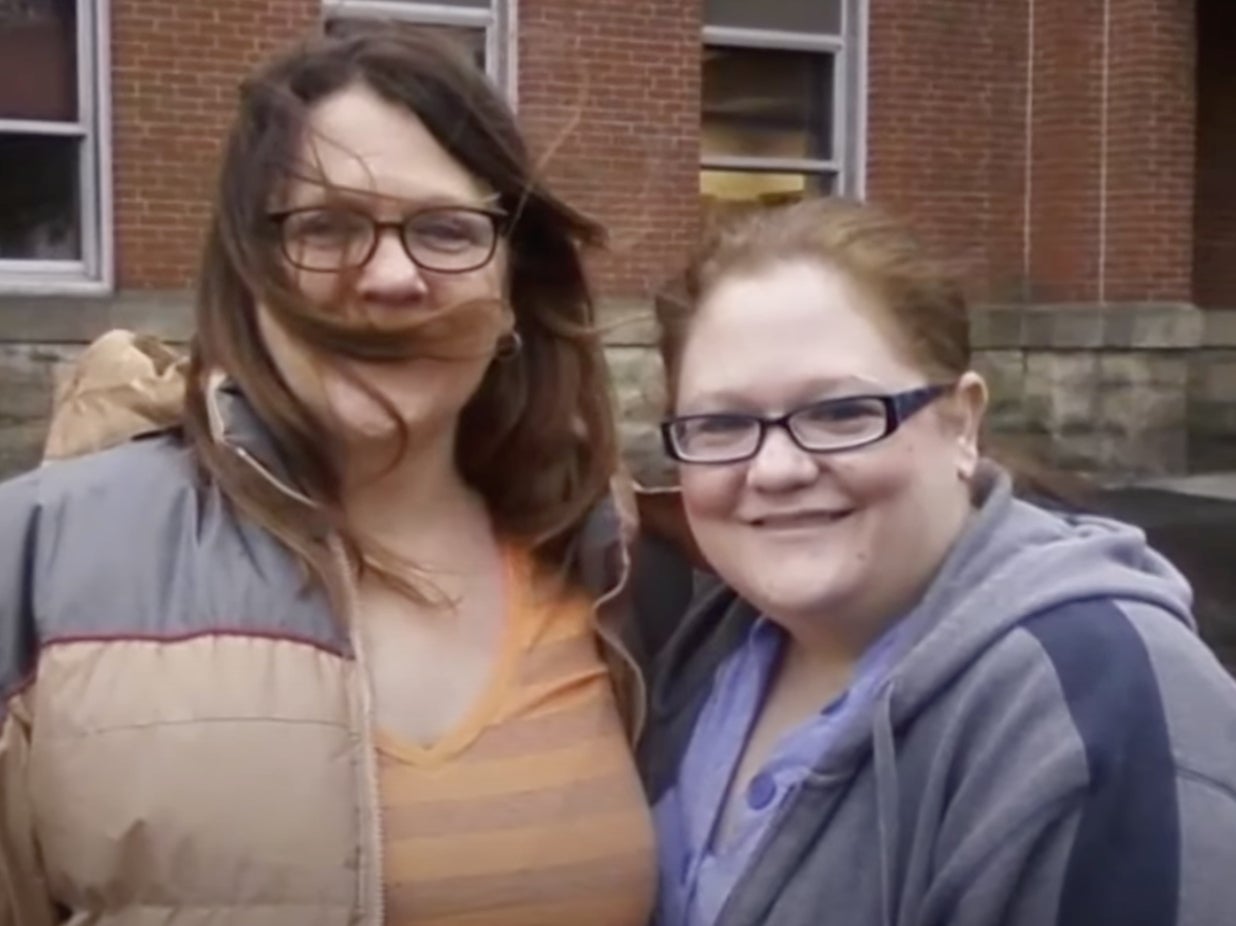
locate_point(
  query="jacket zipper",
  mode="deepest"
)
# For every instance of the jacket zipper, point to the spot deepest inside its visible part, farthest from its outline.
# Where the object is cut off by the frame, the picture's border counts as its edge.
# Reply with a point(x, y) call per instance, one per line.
point(351, 617)
point(373, 884)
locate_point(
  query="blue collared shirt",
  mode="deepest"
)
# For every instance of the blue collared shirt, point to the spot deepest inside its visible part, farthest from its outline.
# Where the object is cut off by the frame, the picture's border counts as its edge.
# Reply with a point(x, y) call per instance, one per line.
point(697, 876)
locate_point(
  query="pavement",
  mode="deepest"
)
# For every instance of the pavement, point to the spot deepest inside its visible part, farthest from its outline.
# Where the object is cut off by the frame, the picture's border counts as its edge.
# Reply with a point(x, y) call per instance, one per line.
point(1192, 521)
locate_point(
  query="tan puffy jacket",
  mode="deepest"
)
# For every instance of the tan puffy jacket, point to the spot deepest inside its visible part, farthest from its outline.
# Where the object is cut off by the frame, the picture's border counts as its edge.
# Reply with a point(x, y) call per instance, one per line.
point(184, 727)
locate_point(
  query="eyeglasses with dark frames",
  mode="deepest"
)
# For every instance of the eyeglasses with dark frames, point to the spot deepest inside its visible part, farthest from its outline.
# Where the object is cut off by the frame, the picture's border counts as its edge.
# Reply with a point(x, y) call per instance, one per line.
point(829, 426)
point(441, 239)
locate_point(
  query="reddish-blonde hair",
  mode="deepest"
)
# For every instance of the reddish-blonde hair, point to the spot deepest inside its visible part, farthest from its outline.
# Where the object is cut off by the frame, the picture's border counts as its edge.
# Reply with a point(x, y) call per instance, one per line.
point(921, 298)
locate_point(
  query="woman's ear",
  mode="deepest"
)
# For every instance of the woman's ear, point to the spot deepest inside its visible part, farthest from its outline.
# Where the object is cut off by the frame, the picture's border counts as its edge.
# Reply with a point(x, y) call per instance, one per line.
point(969, 406)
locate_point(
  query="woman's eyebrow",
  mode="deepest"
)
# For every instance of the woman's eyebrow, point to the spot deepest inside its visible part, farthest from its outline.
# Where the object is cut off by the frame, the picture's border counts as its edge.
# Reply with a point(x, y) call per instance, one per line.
point(329, 194)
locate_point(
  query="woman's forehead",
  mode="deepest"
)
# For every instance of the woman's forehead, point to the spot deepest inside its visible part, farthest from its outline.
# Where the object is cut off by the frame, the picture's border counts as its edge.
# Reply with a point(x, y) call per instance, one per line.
point(792, 322)
point(357, 142)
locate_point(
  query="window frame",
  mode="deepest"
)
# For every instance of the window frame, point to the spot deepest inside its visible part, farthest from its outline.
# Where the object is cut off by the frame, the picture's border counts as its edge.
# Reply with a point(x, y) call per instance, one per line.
point(94, 272)
point(848, 131)
point(496, 18)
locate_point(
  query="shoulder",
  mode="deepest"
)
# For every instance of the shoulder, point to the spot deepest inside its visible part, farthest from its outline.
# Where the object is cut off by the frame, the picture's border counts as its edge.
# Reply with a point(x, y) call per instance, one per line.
point(19, 499)
point(1103, 723)
point(133, 470)
point(1122, 684)
point(96, 495)
point(1156, 715)
point(127, 472)
point(1147, 701)
point(129, 542)
point(133, 481)
point(93, 525)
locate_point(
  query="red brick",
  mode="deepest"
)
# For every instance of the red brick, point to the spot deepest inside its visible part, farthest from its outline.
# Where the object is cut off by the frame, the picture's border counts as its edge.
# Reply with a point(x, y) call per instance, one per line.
point(176, 67)
point(1036, 201)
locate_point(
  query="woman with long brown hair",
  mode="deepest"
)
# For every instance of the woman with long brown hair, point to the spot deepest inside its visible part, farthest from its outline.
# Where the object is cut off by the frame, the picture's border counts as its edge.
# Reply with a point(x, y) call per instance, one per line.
point(337, 650)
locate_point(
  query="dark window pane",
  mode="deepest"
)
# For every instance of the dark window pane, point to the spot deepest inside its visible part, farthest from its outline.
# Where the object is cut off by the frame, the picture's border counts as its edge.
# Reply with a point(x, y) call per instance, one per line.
point(470, 41)
point(767, 103)
point(780, 15)
point(38, 59)
point(39, 198)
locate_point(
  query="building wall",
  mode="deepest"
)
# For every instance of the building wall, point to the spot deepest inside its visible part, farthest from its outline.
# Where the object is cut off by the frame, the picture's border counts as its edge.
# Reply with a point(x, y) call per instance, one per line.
point(1212, 386)
point(946, 115)
point(1050, 145)
point(609, 93)
point(176, 71)
point(1214, 277)
point(1150, 152)
point(612, 110)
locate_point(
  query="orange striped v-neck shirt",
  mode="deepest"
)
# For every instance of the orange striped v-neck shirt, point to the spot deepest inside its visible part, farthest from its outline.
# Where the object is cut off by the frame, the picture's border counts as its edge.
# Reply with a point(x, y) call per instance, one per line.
point(530, 812)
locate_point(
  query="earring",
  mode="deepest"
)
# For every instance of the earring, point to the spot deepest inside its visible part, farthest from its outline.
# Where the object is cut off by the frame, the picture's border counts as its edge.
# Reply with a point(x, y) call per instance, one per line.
point(509, 347)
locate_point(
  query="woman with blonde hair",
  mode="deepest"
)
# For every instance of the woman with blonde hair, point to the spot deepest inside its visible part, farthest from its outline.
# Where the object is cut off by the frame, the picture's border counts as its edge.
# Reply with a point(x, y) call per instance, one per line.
point(905, 696)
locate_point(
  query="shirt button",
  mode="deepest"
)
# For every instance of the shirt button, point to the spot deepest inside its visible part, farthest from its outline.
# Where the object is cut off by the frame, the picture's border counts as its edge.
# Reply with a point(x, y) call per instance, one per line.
point(761, 791)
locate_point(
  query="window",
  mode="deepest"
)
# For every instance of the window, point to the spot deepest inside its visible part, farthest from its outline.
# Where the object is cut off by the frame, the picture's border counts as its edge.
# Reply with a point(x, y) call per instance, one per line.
point(782, 100)
point(479, 26)
point(54, 180)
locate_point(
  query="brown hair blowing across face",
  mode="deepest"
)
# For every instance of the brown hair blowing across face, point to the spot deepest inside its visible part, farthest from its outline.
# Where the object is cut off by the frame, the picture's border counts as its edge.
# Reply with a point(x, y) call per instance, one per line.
point(920, 297)
point(537, 441)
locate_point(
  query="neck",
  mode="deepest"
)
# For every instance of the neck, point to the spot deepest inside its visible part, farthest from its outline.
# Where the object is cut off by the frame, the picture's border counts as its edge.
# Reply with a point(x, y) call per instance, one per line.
point(423, 489)
point(826, 643)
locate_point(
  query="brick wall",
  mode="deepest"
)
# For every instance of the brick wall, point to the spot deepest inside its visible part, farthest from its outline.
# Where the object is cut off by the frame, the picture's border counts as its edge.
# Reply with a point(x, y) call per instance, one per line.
point(946, 113)
point(609, 92)
point(1096, 96)
point(1215, 254)
point(1065, 145)
point(175, 71)
point(1151, 137)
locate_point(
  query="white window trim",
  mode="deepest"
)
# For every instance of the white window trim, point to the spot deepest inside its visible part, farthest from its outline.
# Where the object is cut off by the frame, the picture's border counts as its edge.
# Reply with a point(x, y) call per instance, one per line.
point(856, 15)
point(496, 19)
point(770, 165)
point(849, 130)
point(741, 37)
point(94, 274)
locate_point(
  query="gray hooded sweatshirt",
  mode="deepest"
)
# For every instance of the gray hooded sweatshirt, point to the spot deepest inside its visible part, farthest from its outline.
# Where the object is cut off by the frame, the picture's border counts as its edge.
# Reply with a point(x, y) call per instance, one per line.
point(1054, 744)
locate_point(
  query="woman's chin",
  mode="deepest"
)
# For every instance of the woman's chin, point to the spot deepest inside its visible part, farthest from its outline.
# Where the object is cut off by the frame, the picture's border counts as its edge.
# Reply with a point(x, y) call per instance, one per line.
point(797, 597)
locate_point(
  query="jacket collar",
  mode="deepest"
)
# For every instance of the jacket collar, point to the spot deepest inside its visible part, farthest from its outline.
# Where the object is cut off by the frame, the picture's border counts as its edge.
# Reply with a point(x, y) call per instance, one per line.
point(235, 425)
point(600, 554)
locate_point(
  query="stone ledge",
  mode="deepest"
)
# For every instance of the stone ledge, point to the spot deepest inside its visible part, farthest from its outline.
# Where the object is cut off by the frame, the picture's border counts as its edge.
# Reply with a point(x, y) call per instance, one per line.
point(630, 322)
point(627, 322)
point(1220, 328)
point(1123, 326)
point(167, 314)
point(1118, 326)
